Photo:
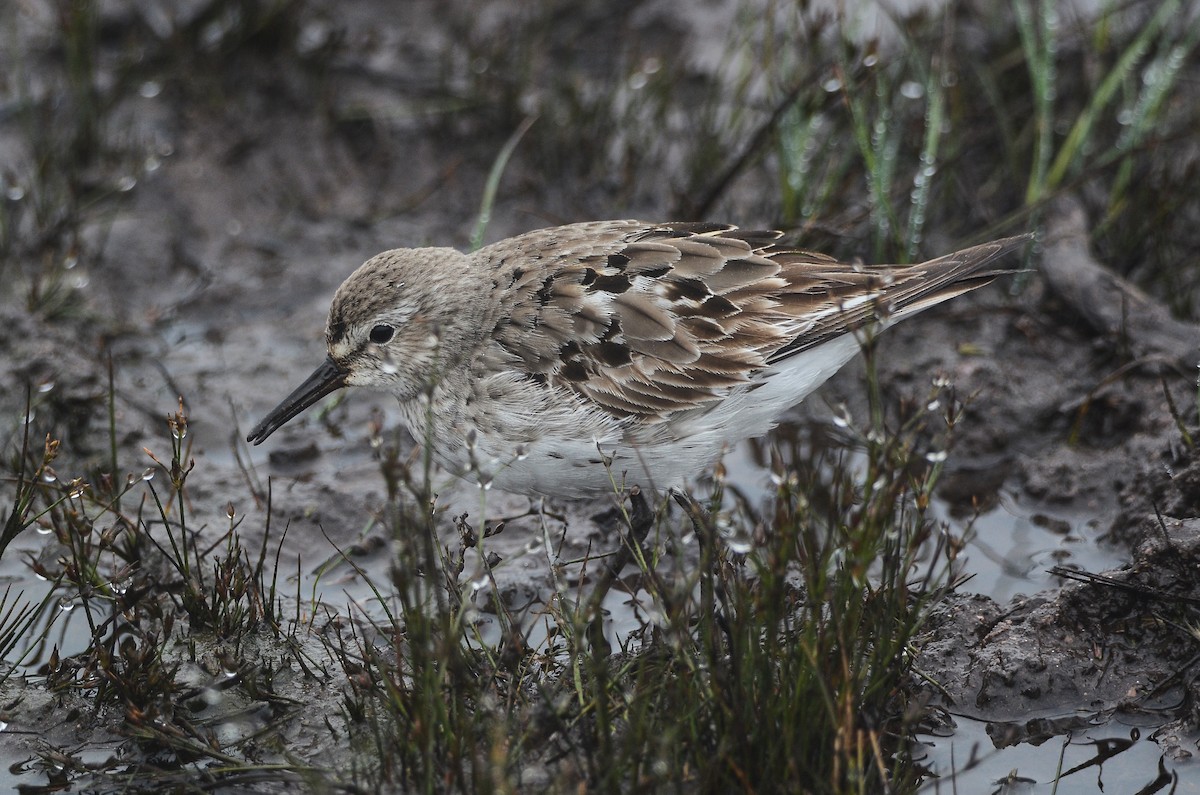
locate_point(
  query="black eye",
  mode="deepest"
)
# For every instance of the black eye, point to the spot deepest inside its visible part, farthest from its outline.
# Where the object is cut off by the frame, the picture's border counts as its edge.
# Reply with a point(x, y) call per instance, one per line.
point(381, 334)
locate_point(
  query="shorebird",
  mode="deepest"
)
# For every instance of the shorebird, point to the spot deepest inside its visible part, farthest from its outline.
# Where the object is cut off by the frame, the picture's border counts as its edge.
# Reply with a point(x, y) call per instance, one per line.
point(561, 360)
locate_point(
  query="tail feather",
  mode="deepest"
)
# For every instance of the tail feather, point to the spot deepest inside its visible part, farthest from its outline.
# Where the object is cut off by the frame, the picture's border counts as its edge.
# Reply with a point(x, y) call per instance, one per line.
point(904, 290)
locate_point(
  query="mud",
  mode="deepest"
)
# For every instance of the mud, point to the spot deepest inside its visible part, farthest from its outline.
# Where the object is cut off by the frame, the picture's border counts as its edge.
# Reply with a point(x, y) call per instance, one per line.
point(264, 173)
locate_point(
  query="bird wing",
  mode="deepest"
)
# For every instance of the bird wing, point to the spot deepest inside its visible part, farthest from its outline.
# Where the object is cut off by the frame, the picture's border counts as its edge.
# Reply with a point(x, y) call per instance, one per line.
point(645, 320)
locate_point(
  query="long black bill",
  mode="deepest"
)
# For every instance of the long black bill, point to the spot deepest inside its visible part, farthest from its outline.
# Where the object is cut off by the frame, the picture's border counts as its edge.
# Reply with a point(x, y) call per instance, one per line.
point(329, 377)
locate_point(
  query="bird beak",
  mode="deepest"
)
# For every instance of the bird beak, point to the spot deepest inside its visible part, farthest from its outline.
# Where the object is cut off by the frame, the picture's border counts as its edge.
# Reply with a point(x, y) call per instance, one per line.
point(329, 377)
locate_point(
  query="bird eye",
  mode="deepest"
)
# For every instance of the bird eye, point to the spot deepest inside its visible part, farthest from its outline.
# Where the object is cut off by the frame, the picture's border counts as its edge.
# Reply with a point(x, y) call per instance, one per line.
point(381, 334)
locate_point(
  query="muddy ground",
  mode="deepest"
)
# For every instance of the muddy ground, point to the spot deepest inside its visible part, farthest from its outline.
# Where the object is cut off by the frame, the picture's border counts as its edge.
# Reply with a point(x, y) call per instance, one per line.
point(239, 185)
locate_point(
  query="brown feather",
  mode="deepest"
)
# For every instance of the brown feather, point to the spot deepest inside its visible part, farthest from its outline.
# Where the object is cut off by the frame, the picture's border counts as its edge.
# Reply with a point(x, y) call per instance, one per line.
point(668, 317)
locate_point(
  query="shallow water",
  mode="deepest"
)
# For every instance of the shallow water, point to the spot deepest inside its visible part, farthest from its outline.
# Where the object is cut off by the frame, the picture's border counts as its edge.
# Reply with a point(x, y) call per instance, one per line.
point(1108, 757)
point(1012, 546)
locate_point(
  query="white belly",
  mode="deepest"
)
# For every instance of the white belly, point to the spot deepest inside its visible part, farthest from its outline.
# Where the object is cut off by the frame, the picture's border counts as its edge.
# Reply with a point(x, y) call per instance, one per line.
point(561, 449)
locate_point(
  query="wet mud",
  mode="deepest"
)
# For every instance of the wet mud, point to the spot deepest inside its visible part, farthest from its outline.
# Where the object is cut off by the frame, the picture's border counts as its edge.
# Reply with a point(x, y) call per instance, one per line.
point(263, 176)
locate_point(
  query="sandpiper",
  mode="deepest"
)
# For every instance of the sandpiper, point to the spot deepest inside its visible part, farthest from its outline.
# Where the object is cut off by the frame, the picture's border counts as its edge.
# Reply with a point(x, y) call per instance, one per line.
point(566, 359)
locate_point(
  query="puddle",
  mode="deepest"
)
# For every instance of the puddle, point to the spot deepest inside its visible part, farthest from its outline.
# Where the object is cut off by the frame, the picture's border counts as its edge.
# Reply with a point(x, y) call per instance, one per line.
point(1012, 547)
point(1109, 757)
point(62, 622)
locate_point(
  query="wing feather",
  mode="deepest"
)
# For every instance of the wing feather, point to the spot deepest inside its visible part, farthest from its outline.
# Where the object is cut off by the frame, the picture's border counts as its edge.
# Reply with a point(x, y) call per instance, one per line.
point(646, 320)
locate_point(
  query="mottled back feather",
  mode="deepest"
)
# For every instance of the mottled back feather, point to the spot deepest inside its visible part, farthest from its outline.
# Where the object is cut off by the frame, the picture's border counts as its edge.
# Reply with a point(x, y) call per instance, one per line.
point(647, 320)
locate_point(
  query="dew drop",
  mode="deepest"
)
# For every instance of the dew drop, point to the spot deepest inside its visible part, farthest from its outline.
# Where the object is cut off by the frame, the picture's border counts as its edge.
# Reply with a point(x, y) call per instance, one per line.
point(831, 85)
point(911, 89)
point(936, 456)
point(126, 183)
point(150, 89)
point(15, 193)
